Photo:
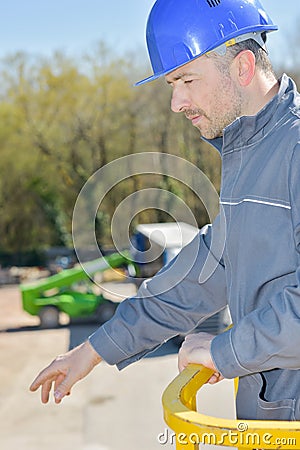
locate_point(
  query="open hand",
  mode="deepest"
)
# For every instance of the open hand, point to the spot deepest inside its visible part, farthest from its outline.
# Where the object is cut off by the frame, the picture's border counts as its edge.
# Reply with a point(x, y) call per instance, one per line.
point(65, 371)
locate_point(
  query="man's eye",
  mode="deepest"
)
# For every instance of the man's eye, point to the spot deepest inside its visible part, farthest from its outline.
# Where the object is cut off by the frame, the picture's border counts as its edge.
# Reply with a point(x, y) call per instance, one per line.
point(188, 81)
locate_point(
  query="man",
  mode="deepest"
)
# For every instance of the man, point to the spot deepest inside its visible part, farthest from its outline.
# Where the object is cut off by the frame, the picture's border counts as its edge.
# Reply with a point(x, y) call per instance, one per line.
point(212, 53)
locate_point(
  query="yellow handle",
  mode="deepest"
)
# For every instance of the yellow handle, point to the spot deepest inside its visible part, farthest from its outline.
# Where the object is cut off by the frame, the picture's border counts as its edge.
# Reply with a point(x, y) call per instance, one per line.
point(192, 427)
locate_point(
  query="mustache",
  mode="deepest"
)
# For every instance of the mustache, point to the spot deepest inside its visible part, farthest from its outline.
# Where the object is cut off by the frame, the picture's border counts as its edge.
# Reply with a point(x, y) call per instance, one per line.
point(190, 113)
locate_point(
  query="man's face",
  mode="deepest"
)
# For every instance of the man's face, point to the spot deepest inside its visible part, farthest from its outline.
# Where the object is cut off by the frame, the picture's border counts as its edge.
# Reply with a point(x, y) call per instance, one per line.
point(209, 98)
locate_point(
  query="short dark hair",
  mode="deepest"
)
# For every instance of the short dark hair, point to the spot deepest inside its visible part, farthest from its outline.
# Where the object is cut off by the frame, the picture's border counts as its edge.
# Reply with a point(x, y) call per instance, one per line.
point(261, 56)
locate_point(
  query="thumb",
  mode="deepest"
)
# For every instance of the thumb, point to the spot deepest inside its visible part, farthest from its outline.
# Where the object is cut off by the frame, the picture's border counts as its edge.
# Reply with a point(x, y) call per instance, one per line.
point(182, 360)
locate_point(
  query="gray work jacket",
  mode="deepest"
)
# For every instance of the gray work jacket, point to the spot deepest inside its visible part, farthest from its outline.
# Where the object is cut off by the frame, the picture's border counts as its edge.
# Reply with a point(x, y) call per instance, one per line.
point(257, 274)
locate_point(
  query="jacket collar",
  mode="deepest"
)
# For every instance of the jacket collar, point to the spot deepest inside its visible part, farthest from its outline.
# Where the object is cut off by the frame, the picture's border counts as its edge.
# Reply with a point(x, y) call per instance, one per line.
point(247, 130)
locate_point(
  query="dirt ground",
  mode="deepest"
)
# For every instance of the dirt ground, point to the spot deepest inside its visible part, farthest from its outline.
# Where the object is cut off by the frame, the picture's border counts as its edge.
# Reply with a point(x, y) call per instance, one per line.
point(109, 410)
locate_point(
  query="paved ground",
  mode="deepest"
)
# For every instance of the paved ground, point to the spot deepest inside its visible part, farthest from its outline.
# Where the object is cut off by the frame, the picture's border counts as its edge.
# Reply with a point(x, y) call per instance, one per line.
point(109, 410)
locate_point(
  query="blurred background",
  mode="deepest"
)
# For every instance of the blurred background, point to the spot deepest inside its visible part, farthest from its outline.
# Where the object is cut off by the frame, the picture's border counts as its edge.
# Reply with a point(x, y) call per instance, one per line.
point(68, 107)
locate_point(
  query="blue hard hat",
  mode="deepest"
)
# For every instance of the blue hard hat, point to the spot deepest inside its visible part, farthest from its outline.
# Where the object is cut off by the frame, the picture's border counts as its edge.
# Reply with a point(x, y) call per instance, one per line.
point(179, 31)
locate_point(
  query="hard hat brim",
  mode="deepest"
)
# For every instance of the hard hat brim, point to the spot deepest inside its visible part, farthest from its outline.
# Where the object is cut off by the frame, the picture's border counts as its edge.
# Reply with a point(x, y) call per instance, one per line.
point(166, 72)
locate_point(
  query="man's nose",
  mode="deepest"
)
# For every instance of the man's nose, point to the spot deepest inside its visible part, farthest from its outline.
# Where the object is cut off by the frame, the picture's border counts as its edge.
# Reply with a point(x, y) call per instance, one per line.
point(179, 101)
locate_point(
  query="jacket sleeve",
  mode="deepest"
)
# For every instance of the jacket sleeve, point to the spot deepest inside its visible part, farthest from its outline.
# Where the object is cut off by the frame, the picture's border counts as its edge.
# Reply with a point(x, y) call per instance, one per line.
point(172, 302)
point(268, 337)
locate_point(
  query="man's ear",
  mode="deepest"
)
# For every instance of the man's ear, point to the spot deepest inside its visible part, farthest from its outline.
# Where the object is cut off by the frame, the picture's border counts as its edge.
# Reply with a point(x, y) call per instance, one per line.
point(245, 67)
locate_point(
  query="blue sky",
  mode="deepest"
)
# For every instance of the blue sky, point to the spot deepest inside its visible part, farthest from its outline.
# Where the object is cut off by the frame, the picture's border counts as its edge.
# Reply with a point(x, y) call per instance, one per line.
point(73, 26)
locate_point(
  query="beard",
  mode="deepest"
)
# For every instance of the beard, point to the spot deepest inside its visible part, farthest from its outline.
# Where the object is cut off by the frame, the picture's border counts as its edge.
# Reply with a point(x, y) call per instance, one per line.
point(225, 108)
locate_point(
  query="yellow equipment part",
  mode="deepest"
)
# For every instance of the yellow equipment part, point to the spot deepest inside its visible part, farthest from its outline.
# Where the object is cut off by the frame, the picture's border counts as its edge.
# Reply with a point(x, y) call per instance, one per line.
point(193, 428)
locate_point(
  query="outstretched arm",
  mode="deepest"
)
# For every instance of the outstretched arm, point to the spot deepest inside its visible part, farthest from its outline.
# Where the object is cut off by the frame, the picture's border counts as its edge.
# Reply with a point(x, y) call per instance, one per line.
point(173, 302)
point(65, 371)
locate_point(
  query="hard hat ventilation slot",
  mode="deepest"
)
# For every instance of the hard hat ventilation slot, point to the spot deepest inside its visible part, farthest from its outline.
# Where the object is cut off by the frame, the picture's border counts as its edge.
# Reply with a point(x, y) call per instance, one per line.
point(213, 3)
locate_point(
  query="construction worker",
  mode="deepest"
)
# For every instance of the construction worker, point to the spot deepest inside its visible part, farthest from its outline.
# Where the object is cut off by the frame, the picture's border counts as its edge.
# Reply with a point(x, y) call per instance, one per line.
point(213, 55)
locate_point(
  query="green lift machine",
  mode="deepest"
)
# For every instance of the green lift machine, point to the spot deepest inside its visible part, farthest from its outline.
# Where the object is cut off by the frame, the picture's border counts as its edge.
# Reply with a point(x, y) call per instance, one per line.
point(71, 292)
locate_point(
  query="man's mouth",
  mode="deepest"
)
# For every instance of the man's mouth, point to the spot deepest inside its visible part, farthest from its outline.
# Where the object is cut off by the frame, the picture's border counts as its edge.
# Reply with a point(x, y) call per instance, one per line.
point(194, 115)
point(195, 118)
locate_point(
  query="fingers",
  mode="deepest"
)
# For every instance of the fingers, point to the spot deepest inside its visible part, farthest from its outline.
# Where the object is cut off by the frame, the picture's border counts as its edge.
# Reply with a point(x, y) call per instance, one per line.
point(196, 349)
point(49, 373)
point(49, 376)
point(65, 371)
point(57, 388)
point(35, 384)
point(215, 378)
point(63, 388)
point(46, 388)
point(61, 384)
